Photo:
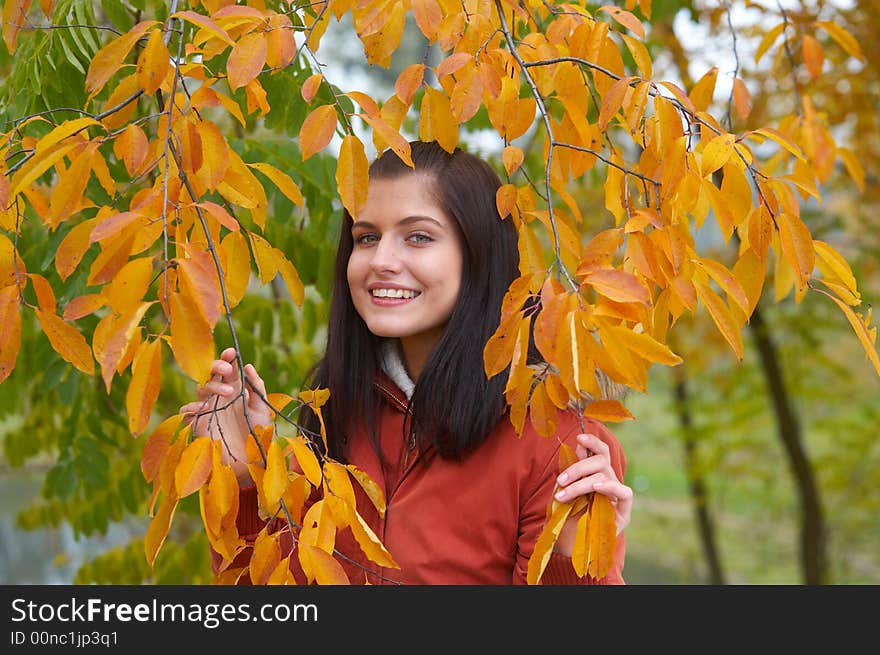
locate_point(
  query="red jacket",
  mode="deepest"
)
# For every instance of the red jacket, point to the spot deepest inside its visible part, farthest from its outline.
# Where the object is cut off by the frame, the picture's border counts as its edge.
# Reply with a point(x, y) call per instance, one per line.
point(474, 521)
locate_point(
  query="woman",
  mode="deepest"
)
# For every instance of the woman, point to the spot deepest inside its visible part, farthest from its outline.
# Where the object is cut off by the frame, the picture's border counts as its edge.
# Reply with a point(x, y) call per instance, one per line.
point(420, 277)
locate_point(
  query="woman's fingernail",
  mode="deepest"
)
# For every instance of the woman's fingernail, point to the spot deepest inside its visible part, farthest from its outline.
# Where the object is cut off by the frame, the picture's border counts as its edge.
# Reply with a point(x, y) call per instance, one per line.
point(563, 478)
point(560, 495)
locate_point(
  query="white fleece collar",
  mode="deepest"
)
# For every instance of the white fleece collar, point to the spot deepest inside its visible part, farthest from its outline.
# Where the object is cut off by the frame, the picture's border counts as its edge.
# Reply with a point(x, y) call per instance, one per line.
point(392, 364)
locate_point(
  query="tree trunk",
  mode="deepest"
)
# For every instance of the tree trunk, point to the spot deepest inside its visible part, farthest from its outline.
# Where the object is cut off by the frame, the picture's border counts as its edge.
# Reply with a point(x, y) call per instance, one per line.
point(812, 541)
point(696, 482)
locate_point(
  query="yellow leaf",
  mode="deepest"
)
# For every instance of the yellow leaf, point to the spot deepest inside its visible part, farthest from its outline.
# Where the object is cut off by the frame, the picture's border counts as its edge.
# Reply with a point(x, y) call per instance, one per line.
point(727, 281)
point(143, 390)
point(640, 55)
point(194, 467)
point(716, 153)
point(275, 479)
point(127, 289)
point(373, 491)
point(750, 270)
point(352, 175)
point(844, 39)
point(612, 100)
point(797, 246)
point(768, 40)
point(531, 255)
point(317, 130)
point(307, 460)
point(499, 349)
point(265, 558)
point(580, 554)
point(66, 341)
point(512, 157)
point(37, 165)
point(866, 336)
point(191, 340)
point(236, 260)
point(369, 542)
point(853, 166)
point(428, 15)
point(542, 411)
point(645, 346)
point(337, 482)
point(45, 294)
point(436, 122)
point(326, 569)
point(832, 265)
point(158, 528)
point(544, 546)
point(291, 278)
point(703, 91)
point(153, 63)
point(10, 329)
point(282, 180)
point(778, 137)
point(719, 312)
point(215, 155)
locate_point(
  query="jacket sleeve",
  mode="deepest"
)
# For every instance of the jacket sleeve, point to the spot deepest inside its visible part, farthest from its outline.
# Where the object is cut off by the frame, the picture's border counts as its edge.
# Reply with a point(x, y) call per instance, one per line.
point(559, 570)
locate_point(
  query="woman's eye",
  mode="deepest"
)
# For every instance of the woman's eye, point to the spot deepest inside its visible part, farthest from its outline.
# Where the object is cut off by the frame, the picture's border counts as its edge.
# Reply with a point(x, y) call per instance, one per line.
point(365, 239)
point(421, 238)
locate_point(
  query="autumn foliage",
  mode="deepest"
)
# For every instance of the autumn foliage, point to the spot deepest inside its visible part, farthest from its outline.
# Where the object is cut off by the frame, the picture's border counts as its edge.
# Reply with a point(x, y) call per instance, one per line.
point(146, 176)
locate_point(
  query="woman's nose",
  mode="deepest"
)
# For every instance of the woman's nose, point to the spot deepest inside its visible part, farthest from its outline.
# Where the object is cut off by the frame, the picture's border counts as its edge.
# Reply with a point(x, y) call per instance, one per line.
point(385, 256)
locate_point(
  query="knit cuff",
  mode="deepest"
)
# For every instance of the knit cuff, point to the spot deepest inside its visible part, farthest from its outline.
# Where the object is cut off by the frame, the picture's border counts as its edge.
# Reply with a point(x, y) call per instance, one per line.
point(248, 521)
point(559, 571)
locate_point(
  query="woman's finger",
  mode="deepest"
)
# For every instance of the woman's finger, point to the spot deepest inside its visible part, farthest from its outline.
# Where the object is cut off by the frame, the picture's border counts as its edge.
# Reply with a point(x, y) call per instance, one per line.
point(580, 487)
point(582, 468)
point(594, 444)
point(621, 496)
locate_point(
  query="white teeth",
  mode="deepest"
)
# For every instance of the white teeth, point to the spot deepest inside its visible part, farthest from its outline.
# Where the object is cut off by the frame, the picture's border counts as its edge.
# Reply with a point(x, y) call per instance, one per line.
point(394, 293)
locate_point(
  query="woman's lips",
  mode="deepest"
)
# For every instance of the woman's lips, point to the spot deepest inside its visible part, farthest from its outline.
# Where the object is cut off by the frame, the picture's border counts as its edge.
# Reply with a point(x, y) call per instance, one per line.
point(390, 302)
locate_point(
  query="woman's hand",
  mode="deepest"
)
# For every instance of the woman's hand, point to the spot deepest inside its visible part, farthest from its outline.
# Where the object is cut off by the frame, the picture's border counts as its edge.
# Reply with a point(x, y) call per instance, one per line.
point(223, 393)
point(592, 472)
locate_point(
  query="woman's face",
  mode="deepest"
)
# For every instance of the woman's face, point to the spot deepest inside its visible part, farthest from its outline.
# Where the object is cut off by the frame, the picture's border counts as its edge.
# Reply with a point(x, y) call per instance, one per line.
point(405, 267)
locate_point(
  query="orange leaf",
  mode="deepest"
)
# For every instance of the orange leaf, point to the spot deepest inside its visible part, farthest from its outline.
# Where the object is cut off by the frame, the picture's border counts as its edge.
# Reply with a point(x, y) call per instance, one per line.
point(317, 130)
point(612, 100)
point(153, 64)
point(10, 329)
point(66, 341)
point(408, 82)
point(768, 40)
point(111, 57)
point(310, 87)
point(266, 556)
point(611, 411)
point(113, 338)
point(206, 24)
point(603, 536)
point(813, 55)
point(199, 280)
point(131, 148)
point(542, 411)
point(14, 18)
point(703, 91)
point(867, 336)
point(158, 528)
point(220, 214)
point(246, 60)
point(352, 175)
point(194, 467)
point(157, 445)
point(625, 18)
point(844, 39)
point(644, 345)
point(191, 340)
point(512, 157)
point(436, 122)
point(83, 306)
point(619, 286)
point(741, 99)
point(727, 281)
point(215, 155)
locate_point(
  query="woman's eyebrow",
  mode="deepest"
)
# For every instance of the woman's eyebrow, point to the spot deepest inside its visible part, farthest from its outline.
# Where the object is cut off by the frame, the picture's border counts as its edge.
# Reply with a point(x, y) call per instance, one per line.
point(405, 221)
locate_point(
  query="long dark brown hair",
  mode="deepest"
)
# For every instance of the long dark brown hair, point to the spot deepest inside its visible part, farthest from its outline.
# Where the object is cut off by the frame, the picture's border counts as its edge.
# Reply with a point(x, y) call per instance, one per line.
point(453, 407)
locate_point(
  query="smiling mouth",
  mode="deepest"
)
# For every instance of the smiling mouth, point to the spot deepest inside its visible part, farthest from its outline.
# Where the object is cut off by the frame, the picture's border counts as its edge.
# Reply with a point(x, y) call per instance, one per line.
point(395, 294)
